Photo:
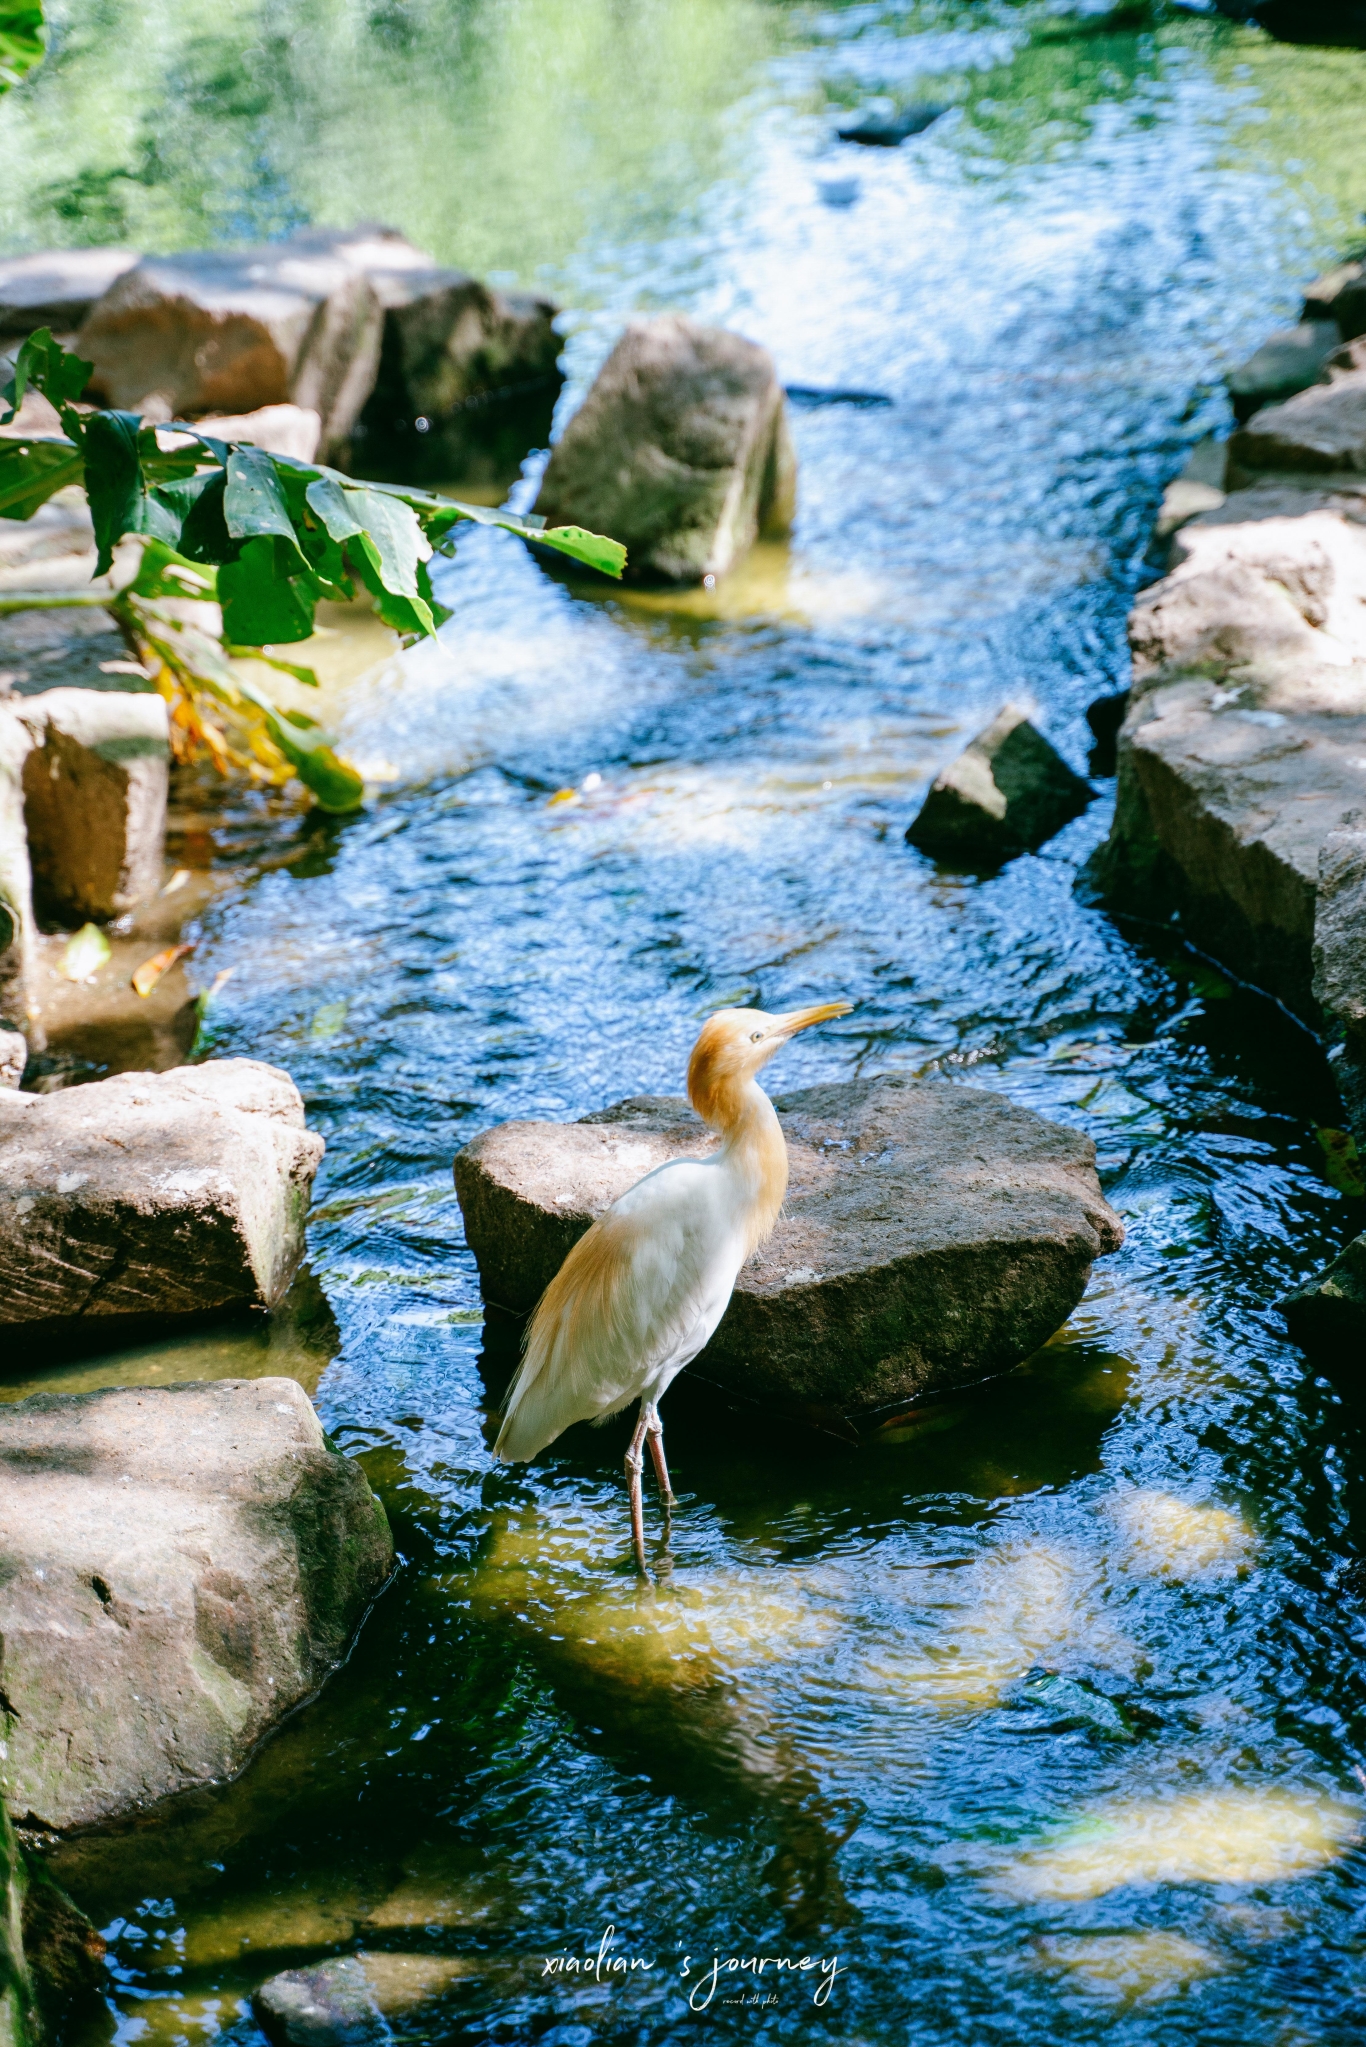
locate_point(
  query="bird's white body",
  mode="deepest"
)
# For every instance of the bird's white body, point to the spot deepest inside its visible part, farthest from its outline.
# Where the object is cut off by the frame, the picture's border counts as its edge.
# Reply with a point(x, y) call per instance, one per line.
point(643, 1289)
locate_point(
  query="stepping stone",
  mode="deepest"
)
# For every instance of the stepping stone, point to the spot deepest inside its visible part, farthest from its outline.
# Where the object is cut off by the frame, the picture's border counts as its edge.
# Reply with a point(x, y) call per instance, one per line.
point(933, 1235)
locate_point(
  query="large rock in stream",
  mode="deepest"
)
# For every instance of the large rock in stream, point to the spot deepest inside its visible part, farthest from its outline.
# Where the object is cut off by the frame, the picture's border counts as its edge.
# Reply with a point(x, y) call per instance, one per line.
point(131, 1202)
point(933, 1234)
point(179, 1566)
point(681, 450)
point(1007, 792)
point(1244, 746)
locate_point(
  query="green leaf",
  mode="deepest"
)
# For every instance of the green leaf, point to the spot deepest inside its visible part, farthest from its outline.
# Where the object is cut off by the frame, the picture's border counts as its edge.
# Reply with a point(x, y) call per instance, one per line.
point(22, 39)
point(51, 369)
point(164, 573)
point(85, 953)
point(261, 603)
point(1342, 1162)
point(31, 470)
point(333, 782)
point(254, 504)
point(294, 668)
point(113, 480)
point(198, 503)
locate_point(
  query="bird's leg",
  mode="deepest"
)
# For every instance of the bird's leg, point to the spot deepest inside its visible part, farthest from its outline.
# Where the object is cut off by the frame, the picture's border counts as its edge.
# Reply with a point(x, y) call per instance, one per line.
point(635, 1464)
point(654, 1436)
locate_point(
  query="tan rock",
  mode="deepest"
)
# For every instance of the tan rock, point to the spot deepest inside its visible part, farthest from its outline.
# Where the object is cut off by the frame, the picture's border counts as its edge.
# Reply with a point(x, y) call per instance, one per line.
point(131, 1201)
point(95, 783)
point(1285, 363)
point(1323, 428)
point(57, 287)
point(933, 1234)
point(282, 429)
point(681, 450)
point(18, 931)
point(178, 1568)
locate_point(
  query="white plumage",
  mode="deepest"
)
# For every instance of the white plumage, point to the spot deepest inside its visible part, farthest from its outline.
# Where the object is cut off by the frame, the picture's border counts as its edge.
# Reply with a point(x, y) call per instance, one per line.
point(643, 1289)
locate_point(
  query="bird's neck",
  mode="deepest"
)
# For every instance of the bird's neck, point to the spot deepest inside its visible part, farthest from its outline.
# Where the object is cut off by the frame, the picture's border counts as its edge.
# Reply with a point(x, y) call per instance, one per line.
point(753, 1151)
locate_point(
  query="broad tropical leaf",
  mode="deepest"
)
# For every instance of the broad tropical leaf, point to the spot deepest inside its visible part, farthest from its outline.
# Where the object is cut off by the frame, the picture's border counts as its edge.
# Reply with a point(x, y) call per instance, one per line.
point(31, 470)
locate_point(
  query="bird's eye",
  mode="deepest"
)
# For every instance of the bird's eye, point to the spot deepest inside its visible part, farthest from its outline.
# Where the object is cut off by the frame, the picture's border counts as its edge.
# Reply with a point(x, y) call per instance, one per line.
point(755, 1036)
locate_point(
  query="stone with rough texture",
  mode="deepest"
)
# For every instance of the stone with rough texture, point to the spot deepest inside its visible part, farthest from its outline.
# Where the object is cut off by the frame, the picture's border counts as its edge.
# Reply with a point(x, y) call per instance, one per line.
point(1329, 1314)
point(95, 783)
point(681, 450)
point(932, 1235)
point(128, 1202)
point(233, 330)
point(1245, 743)
point(1323, 428)
point(1285, 363)
point(179, 1567)
point(1006, 792)
point(348, 1999)
point(13, 1057)
point(1340, 958)
point(1321, 297)
point(18, 932)
point(294, 430)
point(57, 287)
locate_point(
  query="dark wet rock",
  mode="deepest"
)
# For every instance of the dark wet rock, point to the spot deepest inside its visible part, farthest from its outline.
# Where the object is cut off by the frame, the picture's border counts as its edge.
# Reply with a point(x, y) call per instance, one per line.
point(18, 2005)
point(681, 450)
point(1340, 959)
point(1321, 429)
point(181, 1566)
point(814, 397)
point(1285, 363)
point(1006, 793)
point(882, 125)
point(57, 287)
point(933, 1234)
point(1243, 746)
point(1332, 24)
point(1321, 297)
point(1105, 715)
point(347, 2002)
point(150, 1196)
point(95, 783)
point(46, 650)
point(13, 1057)
point(232, 330)
point(64, 1951)
point(1329, 1315)
point(461, 365)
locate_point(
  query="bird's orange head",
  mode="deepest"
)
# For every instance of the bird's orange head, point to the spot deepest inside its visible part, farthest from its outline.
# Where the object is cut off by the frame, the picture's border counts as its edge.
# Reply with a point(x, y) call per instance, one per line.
point(731, 1047)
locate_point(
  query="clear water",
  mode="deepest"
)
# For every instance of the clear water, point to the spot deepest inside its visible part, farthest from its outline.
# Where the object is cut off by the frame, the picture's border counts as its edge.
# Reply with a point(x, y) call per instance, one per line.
point(818, 1736)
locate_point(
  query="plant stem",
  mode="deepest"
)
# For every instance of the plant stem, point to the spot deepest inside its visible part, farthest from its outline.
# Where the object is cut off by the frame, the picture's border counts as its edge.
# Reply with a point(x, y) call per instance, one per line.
point(54, 600)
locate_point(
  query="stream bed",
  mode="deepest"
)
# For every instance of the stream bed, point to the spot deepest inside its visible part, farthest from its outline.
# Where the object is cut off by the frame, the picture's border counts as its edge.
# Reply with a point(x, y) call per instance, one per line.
point(1041, 1718)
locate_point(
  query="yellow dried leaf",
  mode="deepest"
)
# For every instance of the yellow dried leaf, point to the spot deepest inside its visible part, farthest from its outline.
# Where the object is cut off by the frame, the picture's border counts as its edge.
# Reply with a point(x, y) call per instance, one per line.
point(151, 971)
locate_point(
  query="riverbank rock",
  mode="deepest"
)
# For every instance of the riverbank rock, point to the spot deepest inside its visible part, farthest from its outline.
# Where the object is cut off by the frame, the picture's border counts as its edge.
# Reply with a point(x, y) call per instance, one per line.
point(1285, 363)
point(1340, 959)
point(681, 450)
point(1329, 1315)
point(233, 330)
point(1006, 793)
point(132, 1201)
point(57, 287)
point(933, 1234)
point(18, 932)
point(1244, 744)
point(95, 783)
point(1323, 428)
point(1200, 487)
point(13, 1057)
point(349, 1999)
point(181, 1566)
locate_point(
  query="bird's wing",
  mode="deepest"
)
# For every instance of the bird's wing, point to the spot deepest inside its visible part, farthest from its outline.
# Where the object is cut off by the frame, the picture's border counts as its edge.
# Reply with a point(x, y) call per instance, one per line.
point(645, 1285)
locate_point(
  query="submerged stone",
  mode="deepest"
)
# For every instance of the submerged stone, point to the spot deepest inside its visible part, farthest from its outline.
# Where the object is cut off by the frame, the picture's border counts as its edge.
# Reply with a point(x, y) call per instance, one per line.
point(681, 450)
point(132, 1201)
point(1006, 793)
point(178, 1567)
point(932, 1235)
point(345, 2002)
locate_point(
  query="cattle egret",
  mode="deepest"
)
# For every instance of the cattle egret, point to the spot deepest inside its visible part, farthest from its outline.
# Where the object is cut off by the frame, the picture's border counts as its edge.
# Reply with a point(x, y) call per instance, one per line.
point(646, 1285)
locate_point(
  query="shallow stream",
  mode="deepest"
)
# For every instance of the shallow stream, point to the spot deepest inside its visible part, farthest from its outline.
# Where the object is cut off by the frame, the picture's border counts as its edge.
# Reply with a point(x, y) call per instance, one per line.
point(597, 816)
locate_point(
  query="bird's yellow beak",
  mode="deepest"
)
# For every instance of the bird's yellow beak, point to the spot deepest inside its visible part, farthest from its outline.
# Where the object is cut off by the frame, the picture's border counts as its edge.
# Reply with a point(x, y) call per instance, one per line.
point(794, 1020)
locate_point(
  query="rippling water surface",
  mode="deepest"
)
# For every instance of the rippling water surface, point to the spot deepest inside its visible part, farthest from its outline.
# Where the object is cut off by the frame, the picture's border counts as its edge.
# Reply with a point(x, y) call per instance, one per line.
point(820, 1736)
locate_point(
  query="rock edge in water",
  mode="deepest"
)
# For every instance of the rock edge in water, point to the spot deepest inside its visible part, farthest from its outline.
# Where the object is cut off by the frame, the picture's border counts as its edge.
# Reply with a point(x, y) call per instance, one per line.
point(933, 1235)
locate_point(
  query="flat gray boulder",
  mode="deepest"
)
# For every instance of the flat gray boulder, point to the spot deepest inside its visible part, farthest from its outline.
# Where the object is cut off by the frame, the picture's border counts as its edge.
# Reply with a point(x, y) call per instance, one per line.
point(129, 1202)
point(1007, 792)
point(1323, 428)
point(681, 450)
point(179, 1567)
point(57, 287)
point(95, 783)
point(933, 1234)
point(232, 330)
point(1285, 363)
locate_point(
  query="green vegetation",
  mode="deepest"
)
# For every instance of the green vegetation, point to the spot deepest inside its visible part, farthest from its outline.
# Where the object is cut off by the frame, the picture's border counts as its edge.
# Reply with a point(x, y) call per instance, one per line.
point(264, 536)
